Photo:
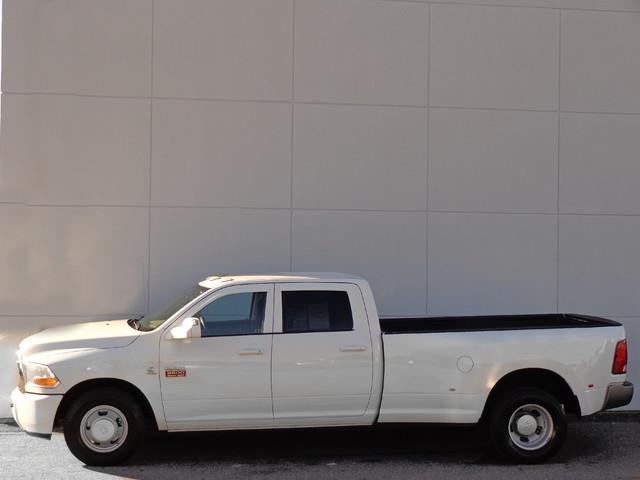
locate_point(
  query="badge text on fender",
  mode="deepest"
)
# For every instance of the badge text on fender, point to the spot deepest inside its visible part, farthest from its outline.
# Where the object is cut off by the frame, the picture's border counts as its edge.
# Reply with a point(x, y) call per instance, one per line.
point(175, 372)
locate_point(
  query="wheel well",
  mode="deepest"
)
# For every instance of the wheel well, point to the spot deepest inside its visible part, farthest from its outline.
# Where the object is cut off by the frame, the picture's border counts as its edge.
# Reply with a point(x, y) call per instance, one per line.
point(123, 385)
point(543, 379)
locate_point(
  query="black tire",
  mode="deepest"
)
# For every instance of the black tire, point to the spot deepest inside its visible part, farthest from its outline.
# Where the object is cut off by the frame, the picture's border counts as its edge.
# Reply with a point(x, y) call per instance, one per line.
point(503, 428)
point(116, 400)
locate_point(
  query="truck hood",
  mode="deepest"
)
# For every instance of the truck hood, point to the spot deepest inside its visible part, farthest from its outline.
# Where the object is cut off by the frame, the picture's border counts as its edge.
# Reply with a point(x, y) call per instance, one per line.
point(109, 334)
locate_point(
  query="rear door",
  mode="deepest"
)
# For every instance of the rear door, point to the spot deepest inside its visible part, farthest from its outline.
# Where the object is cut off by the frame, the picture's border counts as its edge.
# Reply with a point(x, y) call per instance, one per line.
point(322, 363)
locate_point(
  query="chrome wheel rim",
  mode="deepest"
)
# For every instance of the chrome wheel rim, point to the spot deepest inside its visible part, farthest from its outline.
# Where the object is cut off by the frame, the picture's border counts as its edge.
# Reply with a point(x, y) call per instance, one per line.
point(104, 429)
point(531, 427)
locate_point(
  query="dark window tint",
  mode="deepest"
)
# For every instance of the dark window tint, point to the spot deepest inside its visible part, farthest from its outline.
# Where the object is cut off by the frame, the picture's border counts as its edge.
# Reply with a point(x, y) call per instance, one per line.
point(235, 314)
point(316, 311)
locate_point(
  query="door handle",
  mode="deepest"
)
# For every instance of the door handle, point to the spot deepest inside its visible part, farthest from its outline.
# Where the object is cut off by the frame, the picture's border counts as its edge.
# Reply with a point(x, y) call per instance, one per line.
point(250, 351)
point(353, 348)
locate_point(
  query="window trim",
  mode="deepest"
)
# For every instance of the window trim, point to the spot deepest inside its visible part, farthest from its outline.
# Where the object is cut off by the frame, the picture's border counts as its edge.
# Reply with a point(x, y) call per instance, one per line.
point(213, 294)
point(314, 331)
point(264, 315)
point(236, 335)
point(280, 288)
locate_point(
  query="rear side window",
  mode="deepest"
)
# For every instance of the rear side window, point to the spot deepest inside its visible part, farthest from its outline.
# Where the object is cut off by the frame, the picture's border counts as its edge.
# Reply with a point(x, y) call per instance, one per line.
point(316, 311)
point(235, 314)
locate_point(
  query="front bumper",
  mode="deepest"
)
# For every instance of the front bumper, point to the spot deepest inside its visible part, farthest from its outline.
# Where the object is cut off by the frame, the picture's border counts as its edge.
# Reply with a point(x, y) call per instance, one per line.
point(34, 413)
point(618, 395)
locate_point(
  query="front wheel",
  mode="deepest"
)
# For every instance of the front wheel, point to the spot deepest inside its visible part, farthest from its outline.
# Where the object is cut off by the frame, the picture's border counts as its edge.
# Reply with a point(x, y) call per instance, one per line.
point(103, 426)
point(527, 425)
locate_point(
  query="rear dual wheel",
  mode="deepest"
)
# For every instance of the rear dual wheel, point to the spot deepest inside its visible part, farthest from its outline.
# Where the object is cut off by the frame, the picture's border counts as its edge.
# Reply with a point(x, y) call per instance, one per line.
point(527, 425)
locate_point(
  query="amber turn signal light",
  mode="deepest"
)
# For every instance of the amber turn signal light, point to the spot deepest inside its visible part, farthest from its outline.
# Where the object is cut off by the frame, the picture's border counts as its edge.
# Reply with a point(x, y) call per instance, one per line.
point(46, 382)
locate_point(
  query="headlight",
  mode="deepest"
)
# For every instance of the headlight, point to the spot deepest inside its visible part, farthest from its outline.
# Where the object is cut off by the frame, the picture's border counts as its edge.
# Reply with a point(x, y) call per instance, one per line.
point(39, 375)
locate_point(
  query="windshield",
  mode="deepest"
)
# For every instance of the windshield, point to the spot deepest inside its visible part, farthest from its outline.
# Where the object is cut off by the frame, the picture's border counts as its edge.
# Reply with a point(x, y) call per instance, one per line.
point(155, 319)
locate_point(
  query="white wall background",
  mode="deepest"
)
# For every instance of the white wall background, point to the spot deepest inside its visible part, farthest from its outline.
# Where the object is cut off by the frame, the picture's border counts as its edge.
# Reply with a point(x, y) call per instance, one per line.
point(466, 158)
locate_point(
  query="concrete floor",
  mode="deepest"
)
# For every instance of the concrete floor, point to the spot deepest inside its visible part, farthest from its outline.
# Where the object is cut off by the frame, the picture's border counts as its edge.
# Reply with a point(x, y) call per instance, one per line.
point(607, 448)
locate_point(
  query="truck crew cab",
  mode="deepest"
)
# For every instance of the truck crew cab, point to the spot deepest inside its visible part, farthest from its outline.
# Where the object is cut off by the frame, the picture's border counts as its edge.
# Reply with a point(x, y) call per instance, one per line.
point(309, 350)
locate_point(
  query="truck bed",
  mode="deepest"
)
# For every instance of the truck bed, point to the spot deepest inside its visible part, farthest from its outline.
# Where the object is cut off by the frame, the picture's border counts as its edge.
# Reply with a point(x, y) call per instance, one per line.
point(492, 322)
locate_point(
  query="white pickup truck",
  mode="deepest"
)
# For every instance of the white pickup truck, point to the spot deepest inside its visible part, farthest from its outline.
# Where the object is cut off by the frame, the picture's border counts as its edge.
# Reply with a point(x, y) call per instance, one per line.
point(308, 350)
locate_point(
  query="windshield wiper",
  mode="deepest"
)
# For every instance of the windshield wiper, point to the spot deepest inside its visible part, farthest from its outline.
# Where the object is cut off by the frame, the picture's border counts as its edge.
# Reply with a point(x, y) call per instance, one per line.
point(135, 322)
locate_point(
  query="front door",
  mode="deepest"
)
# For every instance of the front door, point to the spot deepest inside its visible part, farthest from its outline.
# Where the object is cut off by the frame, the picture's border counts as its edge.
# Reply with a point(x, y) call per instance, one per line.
point(222, 379)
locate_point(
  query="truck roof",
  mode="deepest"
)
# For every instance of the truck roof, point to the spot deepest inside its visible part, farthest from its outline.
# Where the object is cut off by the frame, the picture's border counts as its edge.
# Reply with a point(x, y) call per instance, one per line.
point(284, 277)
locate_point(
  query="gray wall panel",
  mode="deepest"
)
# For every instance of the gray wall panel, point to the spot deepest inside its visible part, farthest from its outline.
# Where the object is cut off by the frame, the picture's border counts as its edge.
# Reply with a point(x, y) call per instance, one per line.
point(466, 156)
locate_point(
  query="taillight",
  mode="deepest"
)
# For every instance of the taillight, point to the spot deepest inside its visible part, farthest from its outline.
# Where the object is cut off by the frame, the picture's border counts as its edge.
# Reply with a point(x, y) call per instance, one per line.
point(620, 358)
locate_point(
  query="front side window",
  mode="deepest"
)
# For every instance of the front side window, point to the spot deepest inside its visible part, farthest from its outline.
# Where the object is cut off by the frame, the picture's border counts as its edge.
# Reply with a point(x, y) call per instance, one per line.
point(234, 314)
point(316, 311)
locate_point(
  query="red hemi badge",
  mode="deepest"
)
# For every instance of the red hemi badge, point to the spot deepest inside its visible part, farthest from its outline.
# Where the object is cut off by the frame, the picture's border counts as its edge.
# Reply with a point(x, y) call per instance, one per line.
point(175, 372)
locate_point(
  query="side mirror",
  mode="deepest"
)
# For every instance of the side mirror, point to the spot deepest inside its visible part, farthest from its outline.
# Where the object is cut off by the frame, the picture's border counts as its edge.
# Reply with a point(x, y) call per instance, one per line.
point(189, 328)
